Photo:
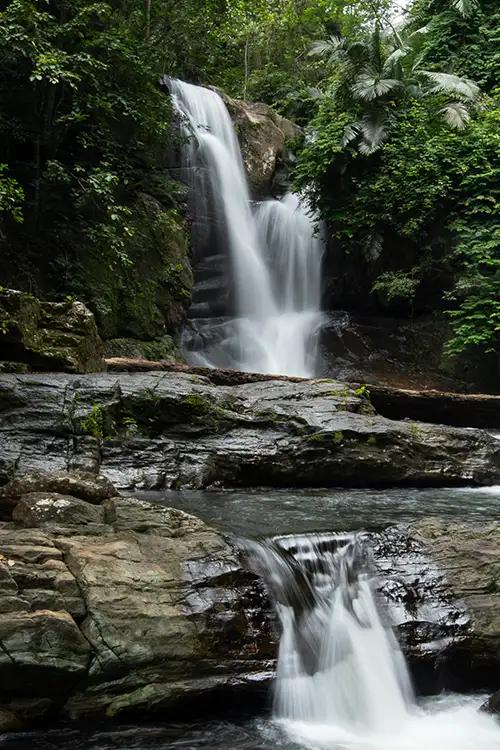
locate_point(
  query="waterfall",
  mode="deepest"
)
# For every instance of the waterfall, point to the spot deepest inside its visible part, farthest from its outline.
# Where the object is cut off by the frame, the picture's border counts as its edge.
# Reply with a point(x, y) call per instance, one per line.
point(342, 682)
point(275, 249)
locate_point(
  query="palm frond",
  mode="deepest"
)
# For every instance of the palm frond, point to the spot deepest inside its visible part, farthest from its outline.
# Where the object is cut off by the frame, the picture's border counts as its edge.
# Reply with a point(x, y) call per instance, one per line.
point(447, 83)
point(373, 132)
point(367, 87)
point(358, 52)
point(465, 7)
point(351, 132)
point(418, 33)
point(327, 48)
point(392, 62)
point(456, 115)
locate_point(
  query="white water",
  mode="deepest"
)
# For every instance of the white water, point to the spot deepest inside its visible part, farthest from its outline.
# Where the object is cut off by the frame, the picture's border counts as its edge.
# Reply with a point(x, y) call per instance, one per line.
point(342, 682)
point(275, 251)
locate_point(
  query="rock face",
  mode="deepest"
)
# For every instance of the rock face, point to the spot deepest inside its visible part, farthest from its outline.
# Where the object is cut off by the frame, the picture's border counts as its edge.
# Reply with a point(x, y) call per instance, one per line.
point(169, 429)
point(264, 137)
point(401, 353)
point(141, 306)
point(120, 607)
point(492, 706)
point(441, 407)
point(468, 556)
point(48, 335)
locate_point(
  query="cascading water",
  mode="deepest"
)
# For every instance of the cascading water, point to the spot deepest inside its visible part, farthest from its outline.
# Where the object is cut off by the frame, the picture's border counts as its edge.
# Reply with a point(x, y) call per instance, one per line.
point(342, 682)
point(275, 251)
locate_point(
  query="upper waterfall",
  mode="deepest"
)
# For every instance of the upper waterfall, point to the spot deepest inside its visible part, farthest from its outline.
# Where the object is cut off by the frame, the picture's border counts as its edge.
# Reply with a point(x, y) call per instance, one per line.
point(275, 249)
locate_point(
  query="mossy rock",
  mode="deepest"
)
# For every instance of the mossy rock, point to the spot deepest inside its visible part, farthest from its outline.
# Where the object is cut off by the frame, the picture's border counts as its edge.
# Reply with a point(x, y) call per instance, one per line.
point(145, 299)
point(48, 335)
point(163, 348)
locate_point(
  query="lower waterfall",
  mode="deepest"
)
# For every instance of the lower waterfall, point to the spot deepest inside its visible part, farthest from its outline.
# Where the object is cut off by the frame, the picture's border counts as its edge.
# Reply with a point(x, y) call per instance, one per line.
point(275, 250)
point(342, 681)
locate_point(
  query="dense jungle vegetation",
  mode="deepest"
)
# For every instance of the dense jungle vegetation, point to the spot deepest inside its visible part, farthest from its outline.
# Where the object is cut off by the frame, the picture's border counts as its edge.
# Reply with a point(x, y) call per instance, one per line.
point(400, 107)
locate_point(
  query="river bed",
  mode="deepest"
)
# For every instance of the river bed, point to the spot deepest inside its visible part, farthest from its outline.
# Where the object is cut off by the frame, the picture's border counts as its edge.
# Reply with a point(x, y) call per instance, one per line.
point(444, 721)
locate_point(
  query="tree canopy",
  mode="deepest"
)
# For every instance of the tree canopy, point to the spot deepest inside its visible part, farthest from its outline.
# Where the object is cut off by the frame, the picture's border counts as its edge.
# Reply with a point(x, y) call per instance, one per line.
point(399, 107)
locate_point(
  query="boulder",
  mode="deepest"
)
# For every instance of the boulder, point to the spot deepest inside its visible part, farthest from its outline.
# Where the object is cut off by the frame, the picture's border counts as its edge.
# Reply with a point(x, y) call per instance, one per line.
point(92, 488)
point(82, 485)
point(134, 612)
point(468, 556)
point(9, 721)
point(48, 335)
point(177, 429)
point(264, 138)
point(492, 705)
point(36, 509)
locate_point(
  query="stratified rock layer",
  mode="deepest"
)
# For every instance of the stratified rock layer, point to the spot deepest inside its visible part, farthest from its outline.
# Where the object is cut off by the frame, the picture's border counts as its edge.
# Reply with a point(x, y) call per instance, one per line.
point(155, 430)
point(468, 556)
point(121, 607)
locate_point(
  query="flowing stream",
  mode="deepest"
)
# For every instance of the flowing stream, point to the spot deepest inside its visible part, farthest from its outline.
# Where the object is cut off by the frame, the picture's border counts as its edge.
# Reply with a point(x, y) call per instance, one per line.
point(275, 249)
point(342, 680)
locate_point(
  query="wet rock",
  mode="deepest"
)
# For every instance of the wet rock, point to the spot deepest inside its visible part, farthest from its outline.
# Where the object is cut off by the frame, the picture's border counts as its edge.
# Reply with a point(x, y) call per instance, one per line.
point(37, 509)
point(468, 556)
point(264, 137)
point(43, 653)
point(135, 611)
point(9, 721)
point(82, 485)
point(174, 429)
point(48, 335)
point(492, 705)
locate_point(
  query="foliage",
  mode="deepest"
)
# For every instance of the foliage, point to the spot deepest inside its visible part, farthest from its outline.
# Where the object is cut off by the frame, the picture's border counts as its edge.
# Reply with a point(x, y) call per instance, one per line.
point(94, 423)
point(11, 195)
point(82, 119)
point(396, 284)
point(377, 73)
point(476, 314)
point(413, 202)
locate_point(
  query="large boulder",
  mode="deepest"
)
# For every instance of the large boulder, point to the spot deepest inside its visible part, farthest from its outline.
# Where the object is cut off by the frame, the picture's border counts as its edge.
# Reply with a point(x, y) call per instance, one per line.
point(178, 429)
point(48, 335)
point(264, 138)
point(127, 607)
point(468, 556)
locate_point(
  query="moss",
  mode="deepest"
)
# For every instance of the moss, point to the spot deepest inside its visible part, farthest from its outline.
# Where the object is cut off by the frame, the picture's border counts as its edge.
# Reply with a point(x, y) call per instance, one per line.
point(372, 440)
point(130, 426)
point(48, 335)
point(163, 348)
point(147, 297)
point(362, 391)
point(103, 425)
point(327, 437)
point(415, 430)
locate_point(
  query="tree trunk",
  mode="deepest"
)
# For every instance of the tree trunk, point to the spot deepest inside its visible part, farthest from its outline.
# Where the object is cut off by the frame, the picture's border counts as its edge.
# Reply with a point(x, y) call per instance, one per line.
point(147, 14)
